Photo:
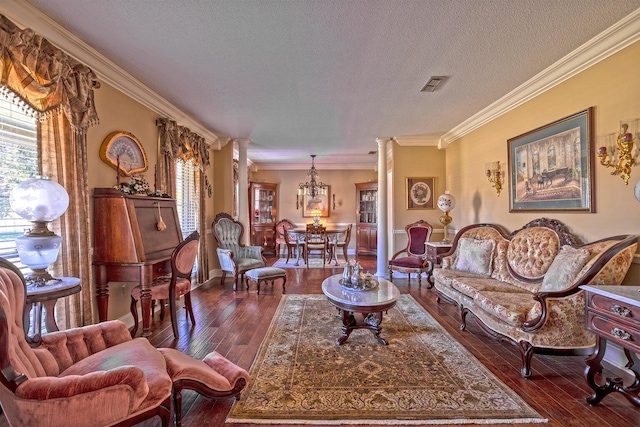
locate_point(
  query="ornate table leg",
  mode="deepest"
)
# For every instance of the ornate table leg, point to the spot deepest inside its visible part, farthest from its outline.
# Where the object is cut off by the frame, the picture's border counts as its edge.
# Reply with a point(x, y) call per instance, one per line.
point(102, 292)
point(430, 279)
point(50, 318)
point(611, 384)
point(145, 299)
point(373, 321)
point(348, 324)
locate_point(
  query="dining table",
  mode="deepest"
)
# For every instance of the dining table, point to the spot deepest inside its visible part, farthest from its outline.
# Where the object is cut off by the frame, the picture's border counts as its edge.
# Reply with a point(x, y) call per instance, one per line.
point(332, 236)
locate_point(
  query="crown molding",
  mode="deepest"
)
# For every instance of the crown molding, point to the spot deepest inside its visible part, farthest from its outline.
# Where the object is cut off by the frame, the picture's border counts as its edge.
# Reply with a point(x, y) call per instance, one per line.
point(417, 140)
point(612, 40)
point(340, 165)
point(28, 16)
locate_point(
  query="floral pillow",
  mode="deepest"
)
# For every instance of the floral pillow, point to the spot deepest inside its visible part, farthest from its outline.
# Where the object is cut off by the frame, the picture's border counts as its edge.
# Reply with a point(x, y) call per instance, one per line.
point(475, 256)
point(566, 265)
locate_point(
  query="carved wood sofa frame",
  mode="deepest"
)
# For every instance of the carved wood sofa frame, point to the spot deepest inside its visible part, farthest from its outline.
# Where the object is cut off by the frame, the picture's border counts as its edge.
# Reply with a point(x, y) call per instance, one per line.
point(610, 259)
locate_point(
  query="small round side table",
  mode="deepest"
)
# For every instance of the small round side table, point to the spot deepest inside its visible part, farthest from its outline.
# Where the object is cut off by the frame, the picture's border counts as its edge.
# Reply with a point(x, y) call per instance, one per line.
point(47, 296)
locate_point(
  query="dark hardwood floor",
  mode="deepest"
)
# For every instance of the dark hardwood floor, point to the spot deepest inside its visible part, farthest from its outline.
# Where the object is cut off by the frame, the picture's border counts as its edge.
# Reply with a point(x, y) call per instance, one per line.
point(235, 323)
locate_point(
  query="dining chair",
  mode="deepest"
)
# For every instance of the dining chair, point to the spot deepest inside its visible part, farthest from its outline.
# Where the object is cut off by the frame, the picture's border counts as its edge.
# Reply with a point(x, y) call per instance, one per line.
point(316, 239)
point(281, 239)
point(173, 286)
point(339, 241)
point(295, 242)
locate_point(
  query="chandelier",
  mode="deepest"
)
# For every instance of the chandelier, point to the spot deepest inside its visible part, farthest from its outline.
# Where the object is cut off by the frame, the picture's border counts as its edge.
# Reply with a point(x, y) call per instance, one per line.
point(312, 188)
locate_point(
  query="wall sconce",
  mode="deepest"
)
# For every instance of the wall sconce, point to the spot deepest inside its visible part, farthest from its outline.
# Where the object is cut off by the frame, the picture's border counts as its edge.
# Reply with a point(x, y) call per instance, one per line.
point(494, 175)
point(617, 151)
point(333, 196)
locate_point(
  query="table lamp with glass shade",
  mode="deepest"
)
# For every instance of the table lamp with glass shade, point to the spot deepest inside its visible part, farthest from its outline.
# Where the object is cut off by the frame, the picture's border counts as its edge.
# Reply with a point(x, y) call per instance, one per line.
point(40, 201)
point(446, 203)
point(315, 213)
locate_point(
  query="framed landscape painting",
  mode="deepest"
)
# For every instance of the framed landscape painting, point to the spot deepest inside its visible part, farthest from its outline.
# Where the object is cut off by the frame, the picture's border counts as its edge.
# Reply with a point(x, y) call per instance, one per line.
point(420, 193)
point(551, 168)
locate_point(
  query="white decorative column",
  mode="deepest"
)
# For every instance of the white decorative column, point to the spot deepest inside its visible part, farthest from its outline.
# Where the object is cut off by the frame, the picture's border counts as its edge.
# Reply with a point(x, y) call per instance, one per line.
point(243, 189)
point(382, 250)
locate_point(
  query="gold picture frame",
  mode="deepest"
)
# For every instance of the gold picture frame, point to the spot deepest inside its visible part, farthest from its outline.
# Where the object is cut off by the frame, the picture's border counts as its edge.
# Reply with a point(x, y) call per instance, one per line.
point(122, 150)
point(420, 193)
point(324, 204)
point(551, 168)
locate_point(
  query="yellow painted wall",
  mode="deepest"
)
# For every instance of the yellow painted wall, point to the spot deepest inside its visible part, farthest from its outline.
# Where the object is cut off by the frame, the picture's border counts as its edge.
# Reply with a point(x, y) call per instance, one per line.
point(415, 162)
point(613, 88)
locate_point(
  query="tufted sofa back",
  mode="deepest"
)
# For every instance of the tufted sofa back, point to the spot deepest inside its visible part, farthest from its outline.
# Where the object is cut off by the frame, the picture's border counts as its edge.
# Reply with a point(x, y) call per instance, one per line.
point(228, 233)
point(531, 252)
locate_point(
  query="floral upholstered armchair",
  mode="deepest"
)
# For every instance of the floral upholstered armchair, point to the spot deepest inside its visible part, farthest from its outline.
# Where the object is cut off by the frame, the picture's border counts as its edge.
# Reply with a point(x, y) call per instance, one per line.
point(415, 254)
point(96, 375)
point(235, 258)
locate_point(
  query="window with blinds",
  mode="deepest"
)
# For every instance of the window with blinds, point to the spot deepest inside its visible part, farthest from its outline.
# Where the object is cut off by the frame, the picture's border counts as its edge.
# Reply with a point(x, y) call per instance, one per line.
point(19, 154)
point(187, 199)
point(187, 196)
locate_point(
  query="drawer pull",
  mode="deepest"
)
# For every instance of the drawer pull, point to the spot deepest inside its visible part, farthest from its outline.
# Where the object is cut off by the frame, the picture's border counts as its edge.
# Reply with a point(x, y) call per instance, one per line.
point(621, 333)
point(621, 311)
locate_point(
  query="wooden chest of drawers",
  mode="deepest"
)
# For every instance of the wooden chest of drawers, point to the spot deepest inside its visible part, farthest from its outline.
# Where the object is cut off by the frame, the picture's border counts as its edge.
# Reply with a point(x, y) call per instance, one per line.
point(613, 314)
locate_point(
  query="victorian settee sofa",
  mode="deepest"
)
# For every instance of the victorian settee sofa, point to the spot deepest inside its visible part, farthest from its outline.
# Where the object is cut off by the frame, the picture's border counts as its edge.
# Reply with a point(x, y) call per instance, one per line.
point(523, 287)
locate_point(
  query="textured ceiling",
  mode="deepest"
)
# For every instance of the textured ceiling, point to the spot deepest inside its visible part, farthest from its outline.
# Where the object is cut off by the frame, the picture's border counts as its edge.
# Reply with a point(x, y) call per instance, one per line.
point(328, 77)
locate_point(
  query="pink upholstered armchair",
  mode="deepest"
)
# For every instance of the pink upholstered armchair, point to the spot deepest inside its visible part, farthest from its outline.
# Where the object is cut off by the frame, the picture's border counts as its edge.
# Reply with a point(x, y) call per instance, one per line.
point(415, 254)
point(95, 375)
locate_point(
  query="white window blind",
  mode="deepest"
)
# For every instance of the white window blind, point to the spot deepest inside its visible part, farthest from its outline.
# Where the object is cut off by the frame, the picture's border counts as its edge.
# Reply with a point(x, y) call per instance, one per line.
point(187, 196)
point(19, 161)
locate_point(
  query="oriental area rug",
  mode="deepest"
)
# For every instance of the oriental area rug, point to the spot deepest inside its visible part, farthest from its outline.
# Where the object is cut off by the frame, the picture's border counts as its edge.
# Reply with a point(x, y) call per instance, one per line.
point(422, 377)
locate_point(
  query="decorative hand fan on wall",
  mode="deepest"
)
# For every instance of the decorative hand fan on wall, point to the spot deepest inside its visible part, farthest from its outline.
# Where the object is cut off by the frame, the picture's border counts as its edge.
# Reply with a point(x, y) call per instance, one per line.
point(123, 151)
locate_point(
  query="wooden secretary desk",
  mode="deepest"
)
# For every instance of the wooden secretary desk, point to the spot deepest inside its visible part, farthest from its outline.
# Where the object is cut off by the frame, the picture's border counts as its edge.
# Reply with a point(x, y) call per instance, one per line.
point(130, 244)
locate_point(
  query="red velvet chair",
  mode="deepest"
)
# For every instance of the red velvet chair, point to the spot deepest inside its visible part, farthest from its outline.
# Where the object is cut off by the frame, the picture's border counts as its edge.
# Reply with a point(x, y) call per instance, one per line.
point(415, 254)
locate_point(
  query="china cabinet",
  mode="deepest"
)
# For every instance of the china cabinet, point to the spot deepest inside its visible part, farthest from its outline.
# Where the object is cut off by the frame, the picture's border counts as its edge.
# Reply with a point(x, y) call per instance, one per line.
point(263, 213)
point(366, 217)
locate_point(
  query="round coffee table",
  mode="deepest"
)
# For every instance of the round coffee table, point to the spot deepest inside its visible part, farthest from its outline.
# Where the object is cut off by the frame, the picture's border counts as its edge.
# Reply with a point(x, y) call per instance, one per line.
point(361, 309)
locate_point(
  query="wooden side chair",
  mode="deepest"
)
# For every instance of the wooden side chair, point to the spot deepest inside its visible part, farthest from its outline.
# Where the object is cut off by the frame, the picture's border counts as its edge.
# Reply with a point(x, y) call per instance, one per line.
point(341, 241)
point(316, 240)
point(281, 240)
point(295, 242)
point(415, 254)
point(173, 286)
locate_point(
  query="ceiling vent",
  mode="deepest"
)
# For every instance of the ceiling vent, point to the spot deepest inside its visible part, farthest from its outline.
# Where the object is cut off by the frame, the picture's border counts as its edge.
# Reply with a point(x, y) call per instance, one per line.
point(433, 83)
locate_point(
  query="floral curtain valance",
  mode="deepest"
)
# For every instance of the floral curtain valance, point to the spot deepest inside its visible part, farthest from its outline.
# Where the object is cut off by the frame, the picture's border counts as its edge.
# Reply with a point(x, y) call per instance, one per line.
point(44, 77)
point(181, 143)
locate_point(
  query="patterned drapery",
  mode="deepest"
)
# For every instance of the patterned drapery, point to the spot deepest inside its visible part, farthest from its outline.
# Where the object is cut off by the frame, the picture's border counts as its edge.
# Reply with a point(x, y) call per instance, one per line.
point(59, 91)
point(44, 77)
point(180, 143)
